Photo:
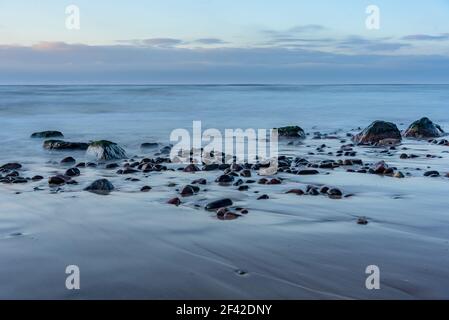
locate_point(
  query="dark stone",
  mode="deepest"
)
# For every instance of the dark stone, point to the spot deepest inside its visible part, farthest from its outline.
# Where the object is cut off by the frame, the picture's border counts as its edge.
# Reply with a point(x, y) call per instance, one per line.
point(101, 187)
point(308, 172)
point(243, 188)
point(111, 166)
point(73, 172)
point(91, 165)
point(377, 131)
point(335, 193)
point(432, 174)
point(423, 129)
point(200, 181)
point(68, 160)
point(298, 192)
point(10, 166)
point(362, 221)
point(263, 197)
point(174, 201)
point(225, 179)
point(219, 204)
point(58, 180)
point(211, 167)
point(81, 165)
point(37, 178)
point(291, 132)
point(191, 168)
point(47, 134)
point(274, 181)
point(64, 145)
point(145, 189)
point(149, 145)
point(263, 181)
point(106, 150)
point(189, 191)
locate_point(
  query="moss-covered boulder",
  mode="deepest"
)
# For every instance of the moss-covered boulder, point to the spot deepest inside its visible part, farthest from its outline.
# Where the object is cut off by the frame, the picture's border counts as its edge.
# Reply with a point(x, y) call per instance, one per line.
point(47, 134)
point(292, 132)
point(105, 150)
point(423, 129)
point(378, 131)
point(64, 145)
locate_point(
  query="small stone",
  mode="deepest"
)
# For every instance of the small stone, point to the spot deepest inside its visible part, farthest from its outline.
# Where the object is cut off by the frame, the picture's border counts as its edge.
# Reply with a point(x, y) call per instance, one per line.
point(11, 166)
point(73, 172)
point(298, 192)
point(274, 181)
point(362, 221)
point(219, 204)
point(245, 173)
point(37, 178)
point(432, 174)
point(263, 197)
point(191, 168)
point(307, 172)
point(47, 134)
point(399, 175)
point(68, 161)
point(145, 189)
point(201, 181)
point(335, 193)
point(225, 179)
point(174, 201)
point(58, 180)
point(101, 187)
point(243, 188)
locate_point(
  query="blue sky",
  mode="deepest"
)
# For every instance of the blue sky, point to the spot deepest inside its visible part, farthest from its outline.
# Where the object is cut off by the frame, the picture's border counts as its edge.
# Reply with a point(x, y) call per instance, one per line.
point(217, 41)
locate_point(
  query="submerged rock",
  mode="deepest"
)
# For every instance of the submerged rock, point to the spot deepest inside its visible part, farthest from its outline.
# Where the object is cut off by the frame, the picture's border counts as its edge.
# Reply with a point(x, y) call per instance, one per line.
point(219, 204)
point(423, 129)
point(10, 166)
point(106, 150)
point(73, 172)
point(47, 134)
point(58, 180)
point(378, 131)
point(64, 145)
point(291, 132)
point(68, 160)
point(432, 174)
point(101, 187)
point(174, 201)
point(149, 145)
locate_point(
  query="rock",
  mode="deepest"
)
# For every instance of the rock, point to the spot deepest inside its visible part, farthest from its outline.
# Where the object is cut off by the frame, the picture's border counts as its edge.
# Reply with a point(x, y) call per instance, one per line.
point(37, 178)
point(403, 156)
point(73, 172)
point(64, 145)
point(174, 201)
point(81, 165)
point(335, 193)
point(423, 129)
point(377, 131)
point(298, 192)
point(149, 145)
point(219, 204)
point(291, 132)
point(188, 191)
point(10, 166)
point(263, 197)
point(68, 161)
point(308, 172)
point(111, 166)
point(432, 174)
point(399, 175)
point(379, 168)
point(145, 189)
point(224, 214)
point(105, 150)
point(274, 181)
point(263, 181)
point(211, 167)
point(191, 168)
point(225, 179)
point(58, 180)
point(243, 188)
point(47, 134)
point(200, 181)
point(245, 173)
point(101, 187)
point(362, 221)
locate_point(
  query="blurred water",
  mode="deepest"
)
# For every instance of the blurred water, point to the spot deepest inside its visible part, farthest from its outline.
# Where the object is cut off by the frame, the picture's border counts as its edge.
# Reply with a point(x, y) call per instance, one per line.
point(131, 115)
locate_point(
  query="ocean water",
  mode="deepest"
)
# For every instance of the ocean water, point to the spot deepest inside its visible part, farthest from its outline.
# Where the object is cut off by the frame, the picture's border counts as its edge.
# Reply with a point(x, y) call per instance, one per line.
point(130, 115)
point(131, 244)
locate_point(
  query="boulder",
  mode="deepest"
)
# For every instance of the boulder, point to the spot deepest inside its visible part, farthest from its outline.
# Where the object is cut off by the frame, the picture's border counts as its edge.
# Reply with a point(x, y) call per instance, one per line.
point(101, 187)
point(291, 132)
point(219, 204)
point(376, 132)
point(47, 134)
point(10, 166)
point(105, 150)
point(423, 129)
point(64, 145)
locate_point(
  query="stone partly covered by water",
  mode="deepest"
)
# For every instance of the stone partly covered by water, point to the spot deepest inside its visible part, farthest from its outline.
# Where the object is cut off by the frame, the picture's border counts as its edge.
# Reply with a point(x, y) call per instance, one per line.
point(294, 132)
point(64, 145)
point(378, 131)
point(47, 134)
point(423, 129)
point(102, 187)
point(106, 150)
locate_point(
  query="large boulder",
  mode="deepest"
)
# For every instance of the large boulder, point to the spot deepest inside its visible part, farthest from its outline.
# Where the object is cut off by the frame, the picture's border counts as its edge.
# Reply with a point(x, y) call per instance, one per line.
point(101, 187)
point(47, 134)
point(292, 132)
point(105, 150)
point(64, 145)
point(423, 129)
point(378, 131)
point(10, 166)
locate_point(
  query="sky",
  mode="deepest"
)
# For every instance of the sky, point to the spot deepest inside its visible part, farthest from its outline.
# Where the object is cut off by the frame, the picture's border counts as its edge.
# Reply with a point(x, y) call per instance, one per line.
point(218, 41)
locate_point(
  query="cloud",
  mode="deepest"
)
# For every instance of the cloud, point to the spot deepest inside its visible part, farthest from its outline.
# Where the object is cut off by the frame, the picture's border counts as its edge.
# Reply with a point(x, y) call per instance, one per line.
point(210, 41)
point(361, 44)
point(153, 42)
point(426, 37)
point(307, 28)
point(66, 63)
